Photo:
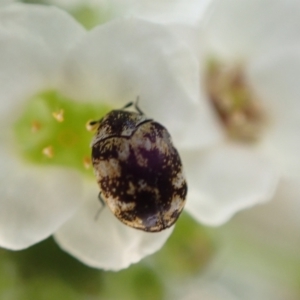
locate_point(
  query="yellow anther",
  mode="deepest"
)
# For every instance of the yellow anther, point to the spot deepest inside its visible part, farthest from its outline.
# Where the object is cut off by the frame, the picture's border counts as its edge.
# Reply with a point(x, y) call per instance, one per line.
point(48, 151)
point(35, 126)
point(58, 115)
point(87, 163)
point(91, 125)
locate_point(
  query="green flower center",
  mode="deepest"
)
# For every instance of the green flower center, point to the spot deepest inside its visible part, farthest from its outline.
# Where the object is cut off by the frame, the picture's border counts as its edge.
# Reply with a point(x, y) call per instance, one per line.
point(238, 107)
point(52, 131)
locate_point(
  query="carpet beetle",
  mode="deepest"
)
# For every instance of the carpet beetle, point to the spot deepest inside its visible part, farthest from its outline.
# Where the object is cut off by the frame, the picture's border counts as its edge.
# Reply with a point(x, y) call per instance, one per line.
point(138, 169)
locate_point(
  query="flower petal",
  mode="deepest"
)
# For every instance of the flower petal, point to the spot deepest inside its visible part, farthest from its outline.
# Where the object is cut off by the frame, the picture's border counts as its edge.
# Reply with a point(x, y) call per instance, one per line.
point(275, 78)
point(34, 201)
point(170, 11)
point(54, 27)
point(33, 43)
point(276, 223)
point(122, 60)
point(238, 29)
point(105, 242)
point(159, 11)
point(225, 180)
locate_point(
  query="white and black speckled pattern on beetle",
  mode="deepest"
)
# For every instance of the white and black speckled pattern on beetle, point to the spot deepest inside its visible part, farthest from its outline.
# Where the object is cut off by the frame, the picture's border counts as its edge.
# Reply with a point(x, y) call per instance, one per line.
point(138, 170)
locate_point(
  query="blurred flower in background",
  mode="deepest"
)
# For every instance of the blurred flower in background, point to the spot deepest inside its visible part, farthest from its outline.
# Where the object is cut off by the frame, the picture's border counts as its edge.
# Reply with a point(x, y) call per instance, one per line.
point(250, 65)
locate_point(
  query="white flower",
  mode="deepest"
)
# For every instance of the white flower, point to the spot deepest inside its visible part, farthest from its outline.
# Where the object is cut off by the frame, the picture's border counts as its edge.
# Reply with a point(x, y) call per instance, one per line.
point(37, 47)
point(256, 43)
point(250, 64)
point(47, 57)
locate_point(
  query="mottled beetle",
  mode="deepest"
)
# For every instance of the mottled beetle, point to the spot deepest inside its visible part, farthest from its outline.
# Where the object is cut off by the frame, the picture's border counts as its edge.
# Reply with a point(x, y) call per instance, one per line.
point(138, 170)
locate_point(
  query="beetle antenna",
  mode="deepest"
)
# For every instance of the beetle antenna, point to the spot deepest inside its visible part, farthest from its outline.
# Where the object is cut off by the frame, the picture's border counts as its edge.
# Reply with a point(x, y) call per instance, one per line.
point(92, 123)
point(127, 105)
point(136, 105)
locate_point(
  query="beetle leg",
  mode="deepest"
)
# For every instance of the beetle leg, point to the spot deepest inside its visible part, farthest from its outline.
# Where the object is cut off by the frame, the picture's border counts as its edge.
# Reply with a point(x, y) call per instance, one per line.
point(101, 208)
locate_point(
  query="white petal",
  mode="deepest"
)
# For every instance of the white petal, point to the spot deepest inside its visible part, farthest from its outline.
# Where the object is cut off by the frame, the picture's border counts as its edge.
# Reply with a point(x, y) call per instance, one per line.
point(24, 70)
point(275, 79)
point(225, 180)
point(123, 60)
point(238, 29)
point(52, 26)
point(277, 223)
point(170, 11)
point(106, 243)
point(161, 11)
point(34, 201)
point(33, 43)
